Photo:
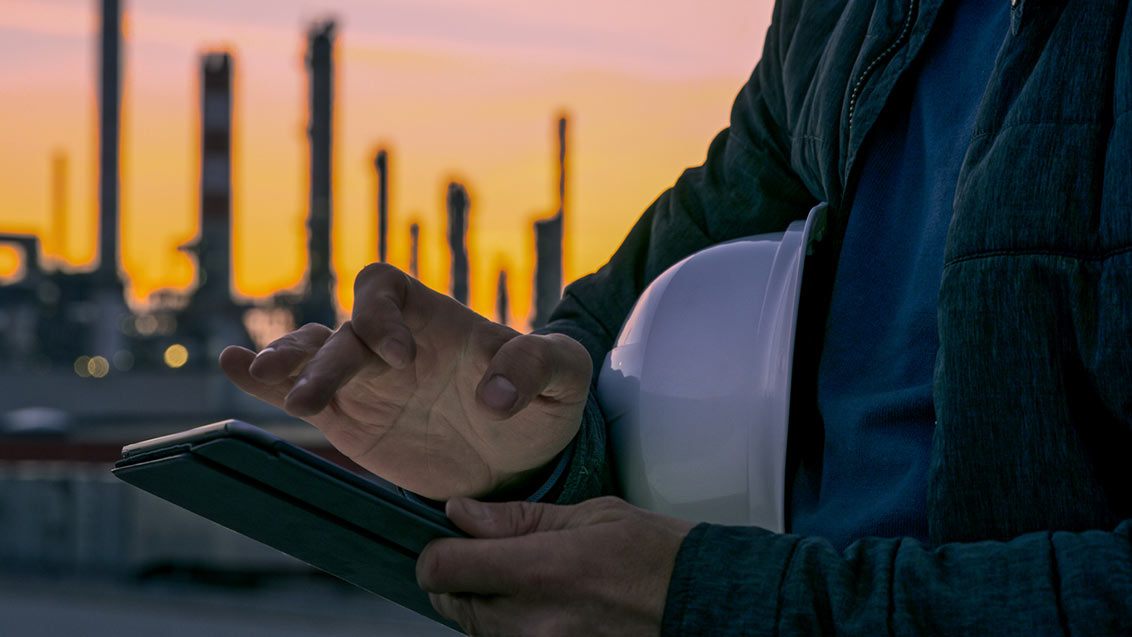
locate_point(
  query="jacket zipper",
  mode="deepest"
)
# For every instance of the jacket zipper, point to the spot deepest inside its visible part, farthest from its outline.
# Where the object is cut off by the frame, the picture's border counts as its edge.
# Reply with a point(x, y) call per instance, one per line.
point(900, 39)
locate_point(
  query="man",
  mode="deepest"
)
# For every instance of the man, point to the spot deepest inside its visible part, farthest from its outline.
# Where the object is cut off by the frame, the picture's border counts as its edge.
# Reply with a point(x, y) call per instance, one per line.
point(970, 332)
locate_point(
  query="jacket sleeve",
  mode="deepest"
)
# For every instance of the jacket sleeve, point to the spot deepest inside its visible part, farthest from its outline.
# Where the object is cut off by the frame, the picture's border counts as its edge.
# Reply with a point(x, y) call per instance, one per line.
point(745, 186)
point(749, 581)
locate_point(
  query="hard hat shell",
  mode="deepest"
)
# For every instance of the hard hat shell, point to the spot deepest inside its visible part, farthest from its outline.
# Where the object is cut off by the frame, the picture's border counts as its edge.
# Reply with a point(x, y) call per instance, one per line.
point(696, 390)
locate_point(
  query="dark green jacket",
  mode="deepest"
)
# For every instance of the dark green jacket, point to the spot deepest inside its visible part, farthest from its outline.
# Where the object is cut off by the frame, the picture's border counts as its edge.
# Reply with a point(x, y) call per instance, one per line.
point(1029, 491)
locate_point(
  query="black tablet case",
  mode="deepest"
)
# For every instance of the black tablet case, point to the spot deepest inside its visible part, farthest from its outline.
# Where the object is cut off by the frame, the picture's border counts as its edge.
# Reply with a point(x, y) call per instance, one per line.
point(269, 490)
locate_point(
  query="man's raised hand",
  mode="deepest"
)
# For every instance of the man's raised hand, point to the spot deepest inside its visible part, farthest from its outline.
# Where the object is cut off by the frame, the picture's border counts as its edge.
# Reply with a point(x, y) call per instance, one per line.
point(422, 391)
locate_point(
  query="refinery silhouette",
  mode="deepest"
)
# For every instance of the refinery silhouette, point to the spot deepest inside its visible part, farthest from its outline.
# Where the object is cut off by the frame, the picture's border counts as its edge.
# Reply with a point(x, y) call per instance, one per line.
point(82, 373)
point(74, 352)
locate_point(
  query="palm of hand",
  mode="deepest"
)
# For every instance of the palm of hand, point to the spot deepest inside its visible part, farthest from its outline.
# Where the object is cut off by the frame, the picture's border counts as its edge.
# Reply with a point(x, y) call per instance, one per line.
point(422, 428)
point(417, 415)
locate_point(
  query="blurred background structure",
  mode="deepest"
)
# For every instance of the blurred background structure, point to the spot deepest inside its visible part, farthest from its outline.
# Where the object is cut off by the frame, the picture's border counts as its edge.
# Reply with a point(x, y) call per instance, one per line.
point(318, 304)
point(548, 245)
point(458, 208)
point(179, 177)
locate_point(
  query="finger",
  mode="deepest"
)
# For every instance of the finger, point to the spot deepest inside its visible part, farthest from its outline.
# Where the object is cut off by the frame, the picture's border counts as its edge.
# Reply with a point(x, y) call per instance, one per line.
point(457, 608)
point(505, 615)
point(283, 356)
point(380, 291)
point(235, 361)
point(532, 365)
point(510, 519)
point(479, 615)
point(504, 566)
point(339, 359)
point(511, 548)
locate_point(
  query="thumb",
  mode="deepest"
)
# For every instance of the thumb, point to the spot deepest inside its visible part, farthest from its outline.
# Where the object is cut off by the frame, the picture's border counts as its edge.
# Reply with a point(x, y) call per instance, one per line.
point(508, 519)
point(532, 365)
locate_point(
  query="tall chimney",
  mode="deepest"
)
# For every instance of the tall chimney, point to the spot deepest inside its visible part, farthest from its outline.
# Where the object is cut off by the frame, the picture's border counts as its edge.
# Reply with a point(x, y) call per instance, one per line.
point(457, 240)
point(414, 250)
point(214, 252)
point(548, 245)
point(381, 164)
point(106, 338)
point(319, 305)
point(548, 268)
point(561, 166)
point(502, 306)
point(109, 120)
point(59, 206)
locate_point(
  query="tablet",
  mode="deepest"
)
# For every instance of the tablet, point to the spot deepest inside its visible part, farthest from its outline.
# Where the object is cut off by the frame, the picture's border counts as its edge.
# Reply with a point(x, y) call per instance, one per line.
point(261, 486)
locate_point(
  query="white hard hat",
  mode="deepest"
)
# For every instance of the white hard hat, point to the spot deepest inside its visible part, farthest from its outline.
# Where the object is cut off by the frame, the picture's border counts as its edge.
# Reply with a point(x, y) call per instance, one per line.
point(696, 390)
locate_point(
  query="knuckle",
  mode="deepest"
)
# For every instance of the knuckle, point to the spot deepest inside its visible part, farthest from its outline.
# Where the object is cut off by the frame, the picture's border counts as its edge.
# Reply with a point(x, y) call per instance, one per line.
point(607, 502)
point(574, 353)
point(529, 516)
point(371, 329)
point(369, 322)
point(303, 338)
point(607, 508)
point(531, 355)
point(377, 275)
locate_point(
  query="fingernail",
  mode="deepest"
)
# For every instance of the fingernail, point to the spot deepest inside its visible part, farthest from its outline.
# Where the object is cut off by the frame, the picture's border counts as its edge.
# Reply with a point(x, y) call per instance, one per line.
point(500, 394)
point(295, 389)
point(256, 368)
point(475, 509)
point(393, 351)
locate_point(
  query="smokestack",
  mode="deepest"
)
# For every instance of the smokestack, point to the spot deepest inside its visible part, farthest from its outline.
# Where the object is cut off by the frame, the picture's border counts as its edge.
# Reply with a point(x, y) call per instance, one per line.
point(109, 117)
point(414, 248)
point(213, 319)
point(548, 245)
point(214, 252)
point(561, 166)
point(502, 307)
point(457, 240)
point(319, 305)
point(548, 269)
point(109, 301)
point(59, 205)
point(381, 164)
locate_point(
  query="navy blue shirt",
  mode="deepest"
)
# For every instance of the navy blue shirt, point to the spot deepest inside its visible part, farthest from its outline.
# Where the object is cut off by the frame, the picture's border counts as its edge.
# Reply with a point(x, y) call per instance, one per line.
point(875, 374)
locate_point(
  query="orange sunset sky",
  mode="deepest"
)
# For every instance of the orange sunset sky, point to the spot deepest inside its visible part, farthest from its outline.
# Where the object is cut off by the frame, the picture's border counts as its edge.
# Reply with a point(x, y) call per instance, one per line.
point(464, 89)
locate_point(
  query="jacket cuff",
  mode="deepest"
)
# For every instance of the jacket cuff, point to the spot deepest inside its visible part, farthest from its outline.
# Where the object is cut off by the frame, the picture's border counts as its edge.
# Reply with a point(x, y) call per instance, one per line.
point(727, 580)
point(551, 485)
point(588, 474)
